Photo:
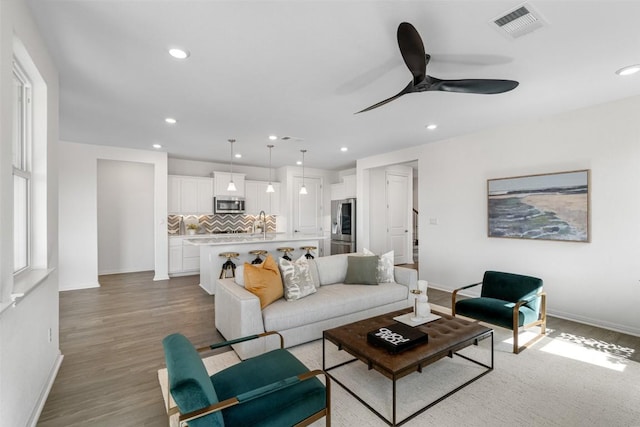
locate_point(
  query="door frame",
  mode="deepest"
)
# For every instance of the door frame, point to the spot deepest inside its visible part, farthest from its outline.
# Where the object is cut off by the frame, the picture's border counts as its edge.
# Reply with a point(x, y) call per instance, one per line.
point(363, 171)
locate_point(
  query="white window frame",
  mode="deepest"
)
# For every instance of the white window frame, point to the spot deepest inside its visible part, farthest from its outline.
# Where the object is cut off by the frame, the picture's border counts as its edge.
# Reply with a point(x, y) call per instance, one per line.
point(22, 165)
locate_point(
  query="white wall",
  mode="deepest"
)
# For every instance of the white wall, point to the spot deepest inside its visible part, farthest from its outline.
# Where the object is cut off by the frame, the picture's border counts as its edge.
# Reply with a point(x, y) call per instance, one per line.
point(78, 210)
point(28, 358)
point(125, 217)
point(596, 283)
point(378, 204)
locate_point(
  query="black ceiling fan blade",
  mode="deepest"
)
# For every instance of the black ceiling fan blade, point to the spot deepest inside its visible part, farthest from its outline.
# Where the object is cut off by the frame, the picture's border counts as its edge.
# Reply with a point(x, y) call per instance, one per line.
point(412, 50)
point(407, 89)
point(482, 86)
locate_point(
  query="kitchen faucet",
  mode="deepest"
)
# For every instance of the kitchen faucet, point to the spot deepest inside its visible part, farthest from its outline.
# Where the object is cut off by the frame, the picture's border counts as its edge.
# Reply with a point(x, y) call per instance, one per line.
point(262, 217)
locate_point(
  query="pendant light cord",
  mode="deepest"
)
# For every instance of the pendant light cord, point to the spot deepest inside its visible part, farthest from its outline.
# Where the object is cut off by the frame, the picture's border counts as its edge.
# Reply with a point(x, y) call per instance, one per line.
point(270, 147)
point(231, 141)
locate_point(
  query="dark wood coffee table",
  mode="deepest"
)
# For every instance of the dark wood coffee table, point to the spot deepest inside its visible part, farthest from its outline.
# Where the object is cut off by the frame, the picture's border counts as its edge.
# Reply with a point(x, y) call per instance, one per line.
point(447, 336)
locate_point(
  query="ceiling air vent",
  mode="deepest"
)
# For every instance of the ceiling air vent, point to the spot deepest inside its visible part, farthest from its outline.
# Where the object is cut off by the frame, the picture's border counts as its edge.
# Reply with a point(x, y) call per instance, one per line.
point(519, 21)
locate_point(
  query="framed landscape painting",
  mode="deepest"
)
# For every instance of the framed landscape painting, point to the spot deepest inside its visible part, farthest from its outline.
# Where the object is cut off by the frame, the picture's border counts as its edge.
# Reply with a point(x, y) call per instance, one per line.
point(552, 206)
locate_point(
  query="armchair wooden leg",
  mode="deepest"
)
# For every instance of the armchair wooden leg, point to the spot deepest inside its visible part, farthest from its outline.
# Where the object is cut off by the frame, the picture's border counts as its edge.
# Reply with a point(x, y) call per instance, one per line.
point(516, 348)
point(453, 303)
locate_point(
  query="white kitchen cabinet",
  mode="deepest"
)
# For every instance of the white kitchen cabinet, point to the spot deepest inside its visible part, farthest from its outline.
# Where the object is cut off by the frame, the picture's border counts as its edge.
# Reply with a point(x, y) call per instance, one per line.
point(257, 199)
point(174, 193)
point(222, 180)
point(345, 189)
point(184, 258)
point(307, 208)
point(190, 195)
point(175, 255)
point(337, 191)
point(349, 186)
point(190, 258)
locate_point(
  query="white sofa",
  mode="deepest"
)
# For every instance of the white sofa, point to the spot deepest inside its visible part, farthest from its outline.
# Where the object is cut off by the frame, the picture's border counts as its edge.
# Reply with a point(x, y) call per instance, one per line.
point(238, 313)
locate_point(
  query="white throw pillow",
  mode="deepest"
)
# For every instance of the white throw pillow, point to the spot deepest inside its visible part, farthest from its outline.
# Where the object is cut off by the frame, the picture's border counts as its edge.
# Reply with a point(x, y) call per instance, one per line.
point(296, 277)
point(385, 266)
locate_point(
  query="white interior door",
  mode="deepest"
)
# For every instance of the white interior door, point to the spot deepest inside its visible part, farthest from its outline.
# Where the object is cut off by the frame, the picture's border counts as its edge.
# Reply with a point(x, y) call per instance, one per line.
point(307, 208)
point(398, 214)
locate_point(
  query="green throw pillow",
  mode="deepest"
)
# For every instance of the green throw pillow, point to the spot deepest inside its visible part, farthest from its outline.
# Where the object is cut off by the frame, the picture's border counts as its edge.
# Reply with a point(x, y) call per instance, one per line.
point(362, 270)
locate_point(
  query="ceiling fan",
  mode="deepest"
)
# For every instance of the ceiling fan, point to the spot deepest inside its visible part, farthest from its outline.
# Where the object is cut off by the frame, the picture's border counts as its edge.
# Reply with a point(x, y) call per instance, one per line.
point(416, 59)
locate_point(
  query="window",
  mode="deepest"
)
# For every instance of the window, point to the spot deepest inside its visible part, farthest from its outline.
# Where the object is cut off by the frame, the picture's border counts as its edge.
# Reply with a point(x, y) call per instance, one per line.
point(21, 170)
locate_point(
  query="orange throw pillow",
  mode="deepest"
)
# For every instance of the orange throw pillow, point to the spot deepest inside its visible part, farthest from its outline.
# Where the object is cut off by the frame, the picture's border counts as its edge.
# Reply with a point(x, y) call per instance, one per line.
point(264, 281)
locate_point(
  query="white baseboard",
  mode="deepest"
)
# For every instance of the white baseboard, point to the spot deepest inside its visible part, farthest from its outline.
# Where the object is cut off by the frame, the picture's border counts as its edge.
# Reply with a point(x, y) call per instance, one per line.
point(595, 322)
point(206, 290)
point(33, 420)
point(77, 287)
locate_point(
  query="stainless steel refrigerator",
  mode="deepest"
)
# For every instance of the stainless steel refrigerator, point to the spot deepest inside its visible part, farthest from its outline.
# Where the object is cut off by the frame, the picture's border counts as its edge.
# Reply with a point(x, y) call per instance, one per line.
point(343, 226)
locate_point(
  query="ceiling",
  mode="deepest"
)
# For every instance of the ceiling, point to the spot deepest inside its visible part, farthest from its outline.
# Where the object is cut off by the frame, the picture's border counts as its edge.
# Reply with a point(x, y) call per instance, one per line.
point(301, 69)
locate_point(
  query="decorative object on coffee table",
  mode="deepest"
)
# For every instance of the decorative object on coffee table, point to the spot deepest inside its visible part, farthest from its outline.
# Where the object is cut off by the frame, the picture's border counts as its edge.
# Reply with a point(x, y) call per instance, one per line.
point(421, 308)
point(397, 337)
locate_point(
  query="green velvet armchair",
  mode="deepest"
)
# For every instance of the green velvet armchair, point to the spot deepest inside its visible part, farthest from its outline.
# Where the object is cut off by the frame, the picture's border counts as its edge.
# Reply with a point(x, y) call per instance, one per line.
point(512, 301)
point(272, 389)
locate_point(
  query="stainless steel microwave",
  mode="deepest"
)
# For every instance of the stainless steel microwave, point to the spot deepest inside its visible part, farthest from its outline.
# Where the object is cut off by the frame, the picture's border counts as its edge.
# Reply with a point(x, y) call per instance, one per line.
point(228, 205)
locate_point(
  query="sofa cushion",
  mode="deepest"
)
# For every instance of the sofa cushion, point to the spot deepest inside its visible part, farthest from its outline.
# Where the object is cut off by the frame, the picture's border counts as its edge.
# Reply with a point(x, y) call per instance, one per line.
point(330, 302)
point(385, 266)
point(495, 311)
point(332, 269)
point(284, 407)
point(296, 278)
point(264, 281)
point(313, 272)
point(362, 270)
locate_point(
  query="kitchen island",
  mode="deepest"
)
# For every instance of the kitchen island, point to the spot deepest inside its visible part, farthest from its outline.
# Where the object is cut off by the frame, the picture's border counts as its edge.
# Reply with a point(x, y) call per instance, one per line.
point(212, 246)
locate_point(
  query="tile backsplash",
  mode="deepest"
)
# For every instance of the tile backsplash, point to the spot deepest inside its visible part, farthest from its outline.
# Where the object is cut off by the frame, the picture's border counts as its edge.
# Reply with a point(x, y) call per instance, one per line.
point(213, 223)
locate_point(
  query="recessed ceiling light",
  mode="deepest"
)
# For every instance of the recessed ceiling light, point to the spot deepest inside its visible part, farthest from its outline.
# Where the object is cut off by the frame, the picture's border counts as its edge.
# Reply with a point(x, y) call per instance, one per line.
point(238, 156)
point(432, 126)
point(171, 120)
point(273, 137)
point(299, 162)
point(343, 149)
point(627, 71)
point(157, 146)
point(179, 53)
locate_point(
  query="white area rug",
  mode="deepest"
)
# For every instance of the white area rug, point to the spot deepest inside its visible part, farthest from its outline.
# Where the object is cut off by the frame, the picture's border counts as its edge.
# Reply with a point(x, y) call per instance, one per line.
point(554, 383)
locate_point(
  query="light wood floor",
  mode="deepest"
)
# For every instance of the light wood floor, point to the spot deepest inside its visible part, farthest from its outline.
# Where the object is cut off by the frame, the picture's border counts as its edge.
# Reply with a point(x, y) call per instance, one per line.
point(111, 339)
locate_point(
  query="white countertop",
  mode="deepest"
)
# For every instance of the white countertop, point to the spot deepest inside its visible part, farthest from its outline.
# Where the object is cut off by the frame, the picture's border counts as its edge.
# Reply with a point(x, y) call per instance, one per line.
point(243, 238)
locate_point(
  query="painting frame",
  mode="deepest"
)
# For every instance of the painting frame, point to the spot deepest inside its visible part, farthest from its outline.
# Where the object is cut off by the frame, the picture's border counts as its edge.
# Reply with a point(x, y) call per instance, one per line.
point(549, 206)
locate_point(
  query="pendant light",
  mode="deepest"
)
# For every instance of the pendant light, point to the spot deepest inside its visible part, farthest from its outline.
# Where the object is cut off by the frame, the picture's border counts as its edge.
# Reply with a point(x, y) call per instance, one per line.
point(232, 185)
point(303, 189)
point(270, 188)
